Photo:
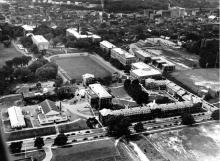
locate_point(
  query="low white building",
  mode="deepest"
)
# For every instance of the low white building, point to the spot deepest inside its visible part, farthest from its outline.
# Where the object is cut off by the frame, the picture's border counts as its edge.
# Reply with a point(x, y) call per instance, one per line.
point(16, 117)
point(143, 71)
point(41, 42)
point(27, 29)
point(88, 79)
point(142, 55)
point(106, 46)
point(73, 32)
point(163, 64)
point(122, 56)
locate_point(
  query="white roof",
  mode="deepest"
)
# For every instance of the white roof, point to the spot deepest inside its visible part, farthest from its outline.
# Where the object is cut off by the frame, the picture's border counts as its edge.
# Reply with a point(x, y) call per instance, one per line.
point(16, 117)
point(142, 53)
point(96, 37)
point(107, 44)
point(141, 65)
point(146, 72)
point(74, 32)
point(39, 39)
point(123, 53)
point(28, 27)
point(100, 91)
point(87, 75)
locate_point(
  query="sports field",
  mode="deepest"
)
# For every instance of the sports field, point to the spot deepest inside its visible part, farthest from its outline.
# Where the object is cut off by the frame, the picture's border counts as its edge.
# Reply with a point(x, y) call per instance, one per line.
point(79, 65)
point(199, 79)
point(89, 151)
point(201, 143)
point(7, 54)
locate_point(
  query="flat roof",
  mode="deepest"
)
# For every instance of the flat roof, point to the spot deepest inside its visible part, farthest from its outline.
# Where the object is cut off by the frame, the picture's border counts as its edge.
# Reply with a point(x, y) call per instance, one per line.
point(146, 72)
point(142, 53)
point(107, 44)
point(123, 53)
point(28, 27)
point(100, 91)
point(16, 117)
point(141, 65)
point(74, 32)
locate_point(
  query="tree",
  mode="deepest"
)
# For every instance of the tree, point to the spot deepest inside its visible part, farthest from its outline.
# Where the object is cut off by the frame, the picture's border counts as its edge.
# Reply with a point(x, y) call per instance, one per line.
point(215, 115)
point(37, 64)
point(127, 83)
point(187, 119)
point(58, 81)
point(26, 41)
point(15, 147)
point(39, 142)
point(23, 74)
point(47, 71)
point(60, 140)
point(34, 49)
point(91, 122)
point(138, 127)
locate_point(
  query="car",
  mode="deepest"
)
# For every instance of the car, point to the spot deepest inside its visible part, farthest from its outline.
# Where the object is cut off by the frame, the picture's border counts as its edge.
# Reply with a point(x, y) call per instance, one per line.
point(87, 132)
point(95, 137)
point(85, 139)
point(74, 140)
point(73, 134)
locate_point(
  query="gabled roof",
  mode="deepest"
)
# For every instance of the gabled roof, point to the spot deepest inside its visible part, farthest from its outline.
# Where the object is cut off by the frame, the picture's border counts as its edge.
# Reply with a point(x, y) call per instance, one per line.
point(48, 106)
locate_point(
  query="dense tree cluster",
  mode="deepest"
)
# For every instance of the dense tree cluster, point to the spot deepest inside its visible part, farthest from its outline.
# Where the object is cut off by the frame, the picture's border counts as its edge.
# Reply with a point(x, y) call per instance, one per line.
point(215, 115)
point(19, 70)
point(118, 126)
point(15, 147)
point(134, 89)
point(39, 142)
point(91, 122)
point(138, 127)
point(187, 119)
point(60, 140)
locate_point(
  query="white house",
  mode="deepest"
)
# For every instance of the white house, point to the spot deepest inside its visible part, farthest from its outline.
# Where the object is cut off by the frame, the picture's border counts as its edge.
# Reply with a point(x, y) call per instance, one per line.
point(106, 46)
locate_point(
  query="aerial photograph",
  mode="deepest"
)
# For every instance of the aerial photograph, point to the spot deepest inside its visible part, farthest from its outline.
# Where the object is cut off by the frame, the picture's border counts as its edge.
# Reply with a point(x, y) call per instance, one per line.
point(109, 80)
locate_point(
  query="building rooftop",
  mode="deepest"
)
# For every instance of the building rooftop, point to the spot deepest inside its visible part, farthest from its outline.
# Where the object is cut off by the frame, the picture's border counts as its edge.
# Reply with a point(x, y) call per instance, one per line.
point(100, 91)
point(141, 65)
point(107, 44)
point(16, 117)
point(142, 53)
point(28, 27)
point(48, 106)
point(87, 75)
point(123, 53)
point(146, 72)
point(39, 39)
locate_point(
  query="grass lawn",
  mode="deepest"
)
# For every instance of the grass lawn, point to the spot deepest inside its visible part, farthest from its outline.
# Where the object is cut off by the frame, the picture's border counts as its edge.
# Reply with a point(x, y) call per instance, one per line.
point(90, 151)
point(77, 66)
point(199, 79)
point(24, 134)
point(74, 126)
point(7, 54)
point(38, 155)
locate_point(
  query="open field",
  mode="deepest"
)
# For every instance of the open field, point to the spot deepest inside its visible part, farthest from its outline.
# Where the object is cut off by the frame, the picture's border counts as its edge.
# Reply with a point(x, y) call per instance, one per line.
point(79, 65)
point(74, 126)
point(38, 155)
point(7, 54)
point(199, 79)
point(89, 151)
point(148, 149)
point(200, 143)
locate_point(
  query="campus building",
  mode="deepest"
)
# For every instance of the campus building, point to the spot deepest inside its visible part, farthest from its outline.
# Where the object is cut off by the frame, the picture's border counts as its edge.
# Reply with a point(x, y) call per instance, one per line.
point(122, 56)
point(73, 32)
point(142, 55)
point(16, 117)
point(142, 71)
point(98, 94)
point(106, 46)
point(41, 42)
point(88, 79)
point(50, 112)
point(151, 111)
point(162, 64)
point(27, 29)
